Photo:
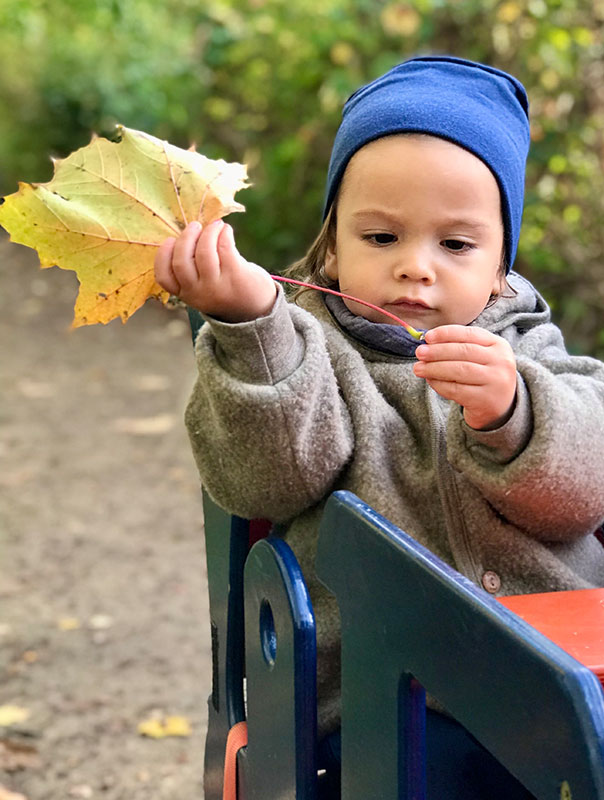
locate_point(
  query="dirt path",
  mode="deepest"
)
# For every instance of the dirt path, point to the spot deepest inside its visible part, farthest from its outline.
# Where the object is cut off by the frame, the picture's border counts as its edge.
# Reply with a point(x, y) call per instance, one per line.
point(103, 615)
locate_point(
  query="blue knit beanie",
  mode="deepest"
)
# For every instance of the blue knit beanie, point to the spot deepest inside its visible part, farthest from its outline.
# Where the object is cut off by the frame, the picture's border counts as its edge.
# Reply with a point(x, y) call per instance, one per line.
point(472, 105)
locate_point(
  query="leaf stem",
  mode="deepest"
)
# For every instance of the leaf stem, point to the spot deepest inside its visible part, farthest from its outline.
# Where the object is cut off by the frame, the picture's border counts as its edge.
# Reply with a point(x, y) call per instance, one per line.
point(419, 335)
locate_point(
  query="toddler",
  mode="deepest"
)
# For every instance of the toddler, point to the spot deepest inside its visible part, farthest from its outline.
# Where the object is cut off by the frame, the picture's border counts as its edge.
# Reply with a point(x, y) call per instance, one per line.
point(484, 441)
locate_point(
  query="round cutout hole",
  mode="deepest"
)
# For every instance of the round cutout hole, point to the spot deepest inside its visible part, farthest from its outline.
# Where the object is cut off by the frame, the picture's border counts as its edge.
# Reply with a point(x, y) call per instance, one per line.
point(268, 635)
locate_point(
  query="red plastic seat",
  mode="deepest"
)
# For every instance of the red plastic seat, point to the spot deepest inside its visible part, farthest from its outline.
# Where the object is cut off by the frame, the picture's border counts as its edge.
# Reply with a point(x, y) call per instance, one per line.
point(573, 620)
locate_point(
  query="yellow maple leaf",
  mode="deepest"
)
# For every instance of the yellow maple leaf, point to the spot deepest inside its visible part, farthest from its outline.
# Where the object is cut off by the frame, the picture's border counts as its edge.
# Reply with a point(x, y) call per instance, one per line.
point(109, 206)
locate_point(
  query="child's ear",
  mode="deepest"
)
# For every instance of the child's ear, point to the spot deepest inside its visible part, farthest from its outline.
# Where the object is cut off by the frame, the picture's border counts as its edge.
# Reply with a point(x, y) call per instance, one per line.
point(499, 281)
point(498, 284)
point(331, 263)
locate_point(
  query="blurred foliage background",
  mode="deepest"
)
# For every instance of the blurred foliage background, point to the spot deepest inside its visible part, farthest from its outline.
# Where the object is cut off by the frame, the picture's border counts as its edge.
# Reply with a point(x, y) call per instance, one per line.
point(263, 81)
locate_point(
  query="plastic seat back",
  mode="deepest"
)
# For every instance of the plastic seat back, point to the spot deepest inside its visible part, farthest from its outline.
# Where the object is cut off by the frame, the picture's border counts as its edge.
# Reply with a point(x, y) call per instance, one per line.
point(408, 617)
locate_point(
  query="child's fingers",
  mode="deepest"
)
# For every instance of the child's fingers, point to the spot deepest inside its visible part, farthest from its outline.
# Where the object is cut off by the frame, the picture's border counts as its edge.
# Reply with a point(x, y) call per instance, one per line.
point(461, 372)
point(461, 393)
point(460, 333)
point(205, 254)
point(454, 351)
point(473, 346)
point(183, 256)
point(164, 273)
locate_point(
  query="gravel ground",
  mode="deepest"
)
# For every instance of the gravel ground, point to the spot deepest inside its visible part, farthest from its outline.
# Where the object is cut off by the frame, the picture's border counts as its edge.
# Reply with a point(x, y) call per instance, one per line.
point(103, 611)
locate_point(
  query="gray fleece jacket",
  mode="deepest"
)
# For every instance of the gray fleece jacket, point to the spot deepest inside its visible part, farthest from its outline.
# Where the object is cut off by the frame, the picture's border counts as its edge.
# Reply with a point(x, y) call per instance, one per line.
point(289, 408)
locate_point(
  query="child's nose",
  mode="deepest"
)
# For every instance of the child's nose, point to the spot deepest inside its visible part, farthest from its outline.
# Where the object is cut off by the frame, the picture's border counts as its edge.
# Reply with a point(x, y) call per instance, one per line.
point(415, 264)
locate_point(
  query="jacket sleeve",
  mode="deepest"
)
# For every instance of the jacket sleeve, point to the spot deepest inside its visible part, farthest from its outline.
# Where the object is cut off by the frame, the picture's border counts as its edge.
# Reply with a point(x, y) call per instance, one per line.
point(269, 430)
point(544, 469)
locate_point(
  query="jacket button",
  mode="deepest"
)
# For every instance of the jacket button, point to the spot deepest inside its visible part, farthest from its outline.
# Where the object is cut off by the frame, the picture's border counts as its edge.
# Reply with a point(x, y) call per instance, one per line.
point(491, 581)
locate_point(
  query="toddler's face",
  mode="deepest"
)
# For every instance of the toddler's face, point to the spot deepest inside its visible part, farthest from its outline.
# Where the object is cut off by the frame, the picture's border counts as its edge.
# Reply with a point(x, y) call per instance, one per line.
point(419, 232)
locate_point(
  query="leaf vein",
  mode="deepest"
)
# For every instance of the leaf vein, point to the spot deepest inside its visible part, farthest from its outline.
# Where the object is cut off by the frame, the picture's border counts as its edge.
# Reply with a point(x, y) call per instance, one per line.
point(136, 199)
point(57, 215)
point(173, 182)
point(207, 188)
point(140, 277)
point(105, 239)
point(98, 147)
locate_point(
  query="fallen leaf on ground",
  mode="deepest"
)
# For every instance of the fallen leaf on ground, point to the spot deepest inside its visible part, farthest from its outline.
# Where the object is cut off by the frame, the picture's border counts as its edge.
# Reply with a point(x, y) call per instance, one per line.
point(11, 715)
point(145, 426)
point(68, 624)
point(169, 726)
point(107, 209)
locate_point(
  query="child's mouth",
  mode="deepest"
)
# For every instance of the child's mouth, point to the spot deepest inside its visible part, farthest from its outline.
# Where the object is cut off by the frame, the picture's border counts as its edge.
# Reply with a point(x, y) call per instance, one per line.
point(410, 306)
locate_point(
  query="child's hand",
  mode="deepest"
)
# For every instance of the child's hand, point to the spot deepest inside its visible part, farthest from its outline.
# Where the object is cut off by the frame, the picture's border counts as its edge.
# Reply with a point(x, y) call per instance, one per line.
point(205, 270)
point(474, 368)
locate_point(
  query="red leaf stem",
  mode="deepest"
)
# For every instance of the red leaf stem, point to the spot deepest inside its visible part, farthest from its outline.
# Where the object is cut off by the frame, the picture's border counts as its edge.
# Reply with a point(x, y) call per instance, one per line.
point(419, 335)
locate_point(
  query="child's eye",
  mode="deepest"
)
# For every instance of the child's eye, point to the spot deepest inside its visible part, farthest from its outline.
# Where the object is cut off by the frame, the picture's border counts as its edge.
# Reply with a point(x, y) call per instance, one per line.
point(456, 245)
point(380, 239)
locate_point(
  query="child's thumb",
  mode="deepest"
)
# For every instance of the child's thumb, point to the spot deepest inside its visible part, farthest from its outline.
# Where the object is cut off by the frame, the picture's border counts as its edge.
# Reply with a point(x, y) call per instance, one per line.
point(227, 247)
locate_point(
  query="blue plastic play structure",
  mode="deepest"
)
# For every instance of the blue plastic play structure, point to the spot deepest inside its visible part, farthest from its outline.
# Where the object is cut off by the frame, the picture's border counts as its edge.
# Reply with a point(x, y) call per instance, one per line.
point(410, 625)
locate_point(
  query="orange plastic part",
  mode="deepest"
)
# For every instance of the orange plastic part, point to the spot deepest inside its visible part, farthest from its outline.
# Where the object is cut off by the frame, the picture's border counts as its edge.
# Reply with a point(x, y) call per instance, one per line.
point(236, 739)
point(573, 620)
